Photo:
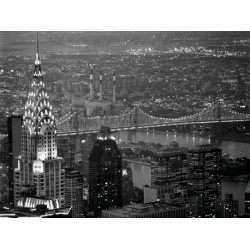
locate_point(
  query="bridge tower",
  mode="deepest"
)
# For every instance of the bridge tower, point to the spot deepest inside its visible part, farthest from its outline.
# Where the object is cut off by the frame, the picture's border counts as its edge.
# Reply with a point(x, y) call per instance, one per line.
point(78, 138)
point(134, 123)
point(217, 128)
point(132, 136)
point(219, 117)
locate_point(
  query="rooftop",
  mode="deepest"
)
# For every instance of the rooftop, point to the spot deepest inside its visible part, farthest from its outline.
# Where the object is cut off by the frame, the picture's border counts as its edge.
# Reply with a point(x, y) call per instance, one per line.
point(17, 212)
point(134, 210)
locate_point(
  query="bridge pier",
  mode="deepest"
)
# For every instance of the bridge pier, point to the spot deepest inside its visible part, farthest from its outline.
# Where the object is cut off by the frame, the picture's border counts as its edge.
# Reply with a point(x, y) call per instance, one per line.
point(132, 135)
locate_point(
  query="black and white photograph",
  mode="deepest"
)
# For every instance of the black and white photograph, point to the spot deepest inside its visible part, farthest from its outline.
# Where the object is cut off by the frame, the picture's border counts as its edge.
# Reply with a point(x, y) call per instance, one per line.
point(125, 121)
point(125, 124)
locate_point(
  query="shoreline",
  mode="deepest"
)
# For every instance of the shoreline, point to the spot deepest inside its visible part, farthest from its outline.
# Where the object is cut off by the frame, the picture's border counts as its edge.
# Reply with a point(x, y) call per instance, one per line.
point(234, 137)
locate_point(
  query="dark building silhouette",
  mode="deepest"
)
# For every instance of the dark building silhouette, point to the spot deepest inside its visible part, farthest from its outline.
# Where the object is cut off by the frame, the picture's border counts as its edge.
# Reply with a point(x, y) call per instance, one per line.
point(74, 192)
point(127, 186)
point(247, 199)
point(14, 149)
point(86, 146)
point(151, 210)
point(4, 183)
point(227, 208)
point(3, 123)
point(105, 174)
point(203, 176)
point(66, 150)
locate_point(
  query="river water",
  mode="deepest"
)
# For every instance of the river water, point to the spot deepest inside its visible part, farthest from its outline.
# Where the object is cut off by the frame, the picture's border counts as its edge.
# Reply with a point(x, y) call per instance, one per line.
point(235, 149)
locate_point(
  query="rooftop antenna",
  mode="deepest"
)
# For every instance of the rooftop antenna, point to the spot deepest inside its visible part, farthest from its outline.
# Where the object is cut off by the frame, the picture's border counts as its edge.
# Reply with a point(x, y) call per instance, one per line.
point(38, 70)
point(37, 61)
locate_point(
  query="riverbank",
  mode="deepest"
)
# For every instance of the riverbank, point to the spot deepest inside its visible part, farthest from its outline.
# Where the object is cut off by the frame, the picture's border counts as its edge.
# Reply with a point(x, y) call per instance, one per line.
point(235, 137)
point(202, 135)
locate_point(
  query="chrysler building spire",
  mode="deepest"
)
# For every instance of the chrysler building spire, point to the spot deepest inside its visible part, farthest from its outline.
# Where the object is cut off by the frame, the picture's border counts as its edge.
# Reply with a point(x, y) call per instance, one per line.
point(38, 70)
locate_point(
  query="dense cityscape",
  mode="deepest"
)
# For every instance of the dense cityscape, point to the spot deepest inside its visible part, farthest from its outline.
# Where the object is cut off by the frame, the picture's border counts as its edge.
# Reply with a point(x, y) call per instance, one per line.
point(125, 124)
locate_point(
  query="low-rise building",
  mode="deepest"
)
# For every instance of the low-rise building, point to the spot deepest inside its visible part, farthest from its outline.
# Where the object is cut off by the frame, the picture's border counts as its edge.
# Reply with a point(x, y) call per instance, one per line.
point(153, 210)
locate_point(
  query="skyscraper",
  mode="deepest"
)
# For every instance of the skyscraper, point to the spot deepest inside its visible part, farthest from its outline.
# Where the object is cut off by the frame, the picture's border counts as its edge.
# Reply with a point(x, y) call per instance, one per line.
point(204, 163)
point(127, 185)
point(74, 192)
point(39, 166)
point(105, 174)
point(14, 149)
point(4, 183)
point(169, 175)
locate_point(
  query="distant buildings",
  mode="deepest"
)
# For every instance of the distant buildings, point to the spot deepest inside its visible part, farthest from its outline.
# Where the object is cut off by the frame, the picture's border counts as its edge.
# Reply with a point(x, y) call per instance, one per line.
point(101, 107)
point(105, 174)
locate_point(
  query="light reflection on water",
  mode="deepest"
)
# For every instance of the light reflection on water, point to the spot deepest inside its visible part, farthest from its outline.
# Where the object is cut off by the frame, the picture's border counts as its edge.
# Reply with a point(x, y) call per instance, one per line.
point(164, 138)
point(235, 149)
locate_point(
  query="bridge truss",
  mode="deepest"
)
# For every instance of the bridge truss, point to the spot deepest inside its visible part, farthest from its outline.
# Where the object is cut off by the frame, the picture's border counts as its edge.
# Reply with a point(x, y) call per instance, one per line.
point(136, 118)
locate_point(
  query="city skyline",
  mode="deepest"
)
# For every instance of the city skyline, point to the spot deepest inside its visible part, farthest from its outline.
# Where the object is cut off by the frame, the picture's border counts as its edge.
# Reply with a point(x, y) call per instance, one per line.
point(198, 87)
point(166, 85)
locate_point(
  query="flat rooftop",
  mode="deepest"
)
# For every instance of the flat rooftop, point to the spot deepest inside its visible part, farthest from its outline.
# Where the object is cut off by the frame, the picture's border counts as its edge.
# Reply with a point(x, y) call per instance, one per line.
point(134, 210)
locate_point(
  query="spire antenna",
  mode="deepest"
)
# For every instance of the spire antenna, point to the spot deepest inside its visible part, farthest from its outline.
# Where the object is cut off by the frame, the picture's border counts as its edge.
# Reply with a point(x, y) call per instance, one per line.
point(37, 61)
point(38, 70)
point(37, 48)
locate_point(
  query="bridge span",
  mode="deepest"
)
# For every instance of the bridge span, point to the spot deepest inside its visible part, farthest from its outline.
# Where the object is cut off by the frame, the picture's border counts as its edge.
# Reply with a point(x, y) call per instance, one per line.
point(135, 118)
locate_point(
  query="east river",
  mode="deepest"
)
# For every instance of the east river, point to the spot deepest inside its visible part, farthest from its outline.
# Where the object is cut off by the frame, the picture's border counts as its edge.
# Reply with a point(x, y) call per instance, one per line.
point(235, 149)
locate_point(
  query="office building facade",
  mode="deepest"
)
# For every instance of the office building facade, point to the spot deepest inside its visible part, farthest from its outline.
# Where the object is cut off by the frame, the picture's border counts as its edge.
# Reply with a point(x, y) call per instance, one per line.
point(127, 186)
point(169, 174)
point(105, 174)
point(203, 179)
point(4, 184)
point(74, 193)
point(14, 149)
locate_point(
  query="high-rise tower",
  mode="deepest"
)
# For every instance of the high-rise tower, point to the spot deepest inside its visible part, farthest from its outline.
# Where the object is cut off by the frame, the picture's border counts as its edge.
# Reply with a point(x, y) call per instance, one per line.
point(39, 165)
point(203, 177)
point(105, 174)
point(14, 149)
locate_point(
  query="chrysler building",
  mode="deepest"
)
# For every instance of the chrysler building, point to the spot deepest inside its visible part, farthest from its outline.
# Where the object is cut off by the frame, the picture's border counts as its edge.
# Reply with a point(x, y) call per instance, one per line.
point(39, 166)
